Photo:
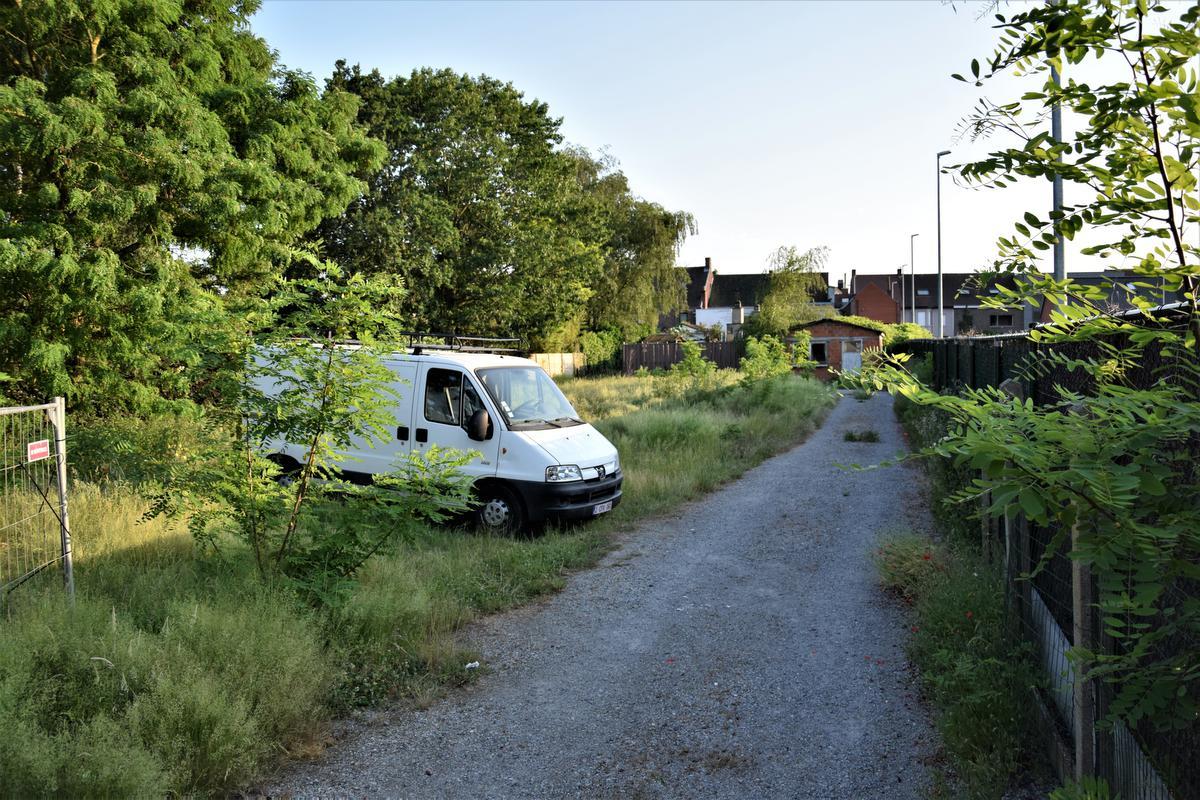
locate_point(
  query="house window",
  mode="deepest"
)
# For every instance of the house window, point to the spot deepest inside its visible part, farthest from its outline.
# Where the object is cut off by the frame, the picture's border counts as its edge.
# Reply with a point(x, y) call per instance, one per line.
point(922, 293)
point(1000, 320)
point(818, 353)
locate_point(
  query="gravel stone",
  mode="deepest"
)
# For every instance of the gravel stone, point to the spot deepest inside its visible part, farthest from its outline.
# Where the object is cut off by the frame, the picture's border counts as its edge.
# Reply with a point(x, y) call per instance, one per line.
point(739, 648)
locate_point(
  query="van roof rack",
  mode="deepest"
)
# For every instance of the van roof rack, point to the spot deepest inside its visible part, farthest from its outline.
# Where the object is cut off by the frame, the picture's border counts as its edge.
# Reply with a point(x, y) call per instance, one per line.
point(418, 341)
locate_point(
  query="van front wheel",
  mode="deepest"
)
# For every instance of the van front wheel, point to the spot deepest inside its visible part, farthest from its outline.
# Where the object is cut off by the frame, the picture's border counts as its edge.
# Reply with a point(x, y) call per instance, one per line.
point(500, 511)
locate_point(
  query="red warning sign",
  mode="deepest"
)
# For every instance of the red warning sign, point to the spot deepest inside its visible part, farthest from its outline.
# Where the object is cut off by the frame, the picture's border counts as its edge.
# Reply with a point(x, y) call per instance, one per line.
point(36, 451)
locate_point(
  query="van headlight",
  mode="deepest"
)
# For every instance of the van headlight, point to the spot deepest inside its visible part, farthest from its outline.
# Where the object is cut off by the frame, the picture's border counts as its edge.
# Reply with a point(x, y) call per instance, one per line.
point(616, 461)
point(561, 474)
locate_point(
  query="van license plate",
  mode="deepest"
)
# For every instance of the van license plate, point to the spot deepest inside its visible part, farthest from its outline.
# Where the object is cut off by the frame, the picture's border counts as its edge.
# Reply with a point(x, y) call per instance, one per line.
point(600, 509)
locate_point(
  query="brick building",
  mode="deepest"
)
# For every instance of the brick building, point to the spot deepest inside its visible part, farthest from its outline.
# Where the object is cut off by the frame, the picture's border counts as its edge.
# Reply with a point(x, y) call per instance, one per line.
point(872, 302)
point(838, 344)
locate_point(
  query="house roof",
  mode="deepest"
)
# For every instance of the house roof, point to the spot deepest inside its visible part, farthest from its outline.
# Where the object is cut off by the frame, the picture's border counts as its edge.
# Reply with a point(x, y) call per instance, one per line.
point(749, 289)
point(865, 324)
point(696, 277)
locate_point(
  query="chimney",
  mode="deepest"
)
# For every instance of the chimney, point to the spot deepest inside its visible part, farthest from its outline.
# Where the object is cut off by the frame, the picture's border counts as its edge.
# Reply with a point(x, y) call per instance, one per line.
point(739, 313)
point(853, 281)
point(841, 286)
point(709, 274)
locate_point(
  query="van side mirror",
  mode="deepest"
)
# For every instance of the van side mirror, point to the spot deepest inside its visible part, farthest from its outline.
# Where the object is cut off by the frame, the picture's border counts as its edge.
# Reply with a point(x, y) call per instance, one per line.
point(479, 427)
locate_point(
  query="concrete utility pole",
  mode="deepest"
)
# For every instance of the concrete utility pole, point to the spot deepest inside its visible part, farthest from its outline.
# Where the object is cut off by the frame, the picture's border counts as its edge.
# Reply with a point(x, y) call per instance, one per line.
point(912, 271)
point(1060, 265)
point(941, 332)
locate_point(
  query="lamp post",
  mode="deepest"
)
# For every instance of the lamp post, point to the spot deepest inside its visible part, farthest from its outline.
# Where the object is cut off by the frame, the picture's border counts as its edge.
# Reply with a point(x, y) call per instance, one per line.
point(941, 312)
point(912, 271)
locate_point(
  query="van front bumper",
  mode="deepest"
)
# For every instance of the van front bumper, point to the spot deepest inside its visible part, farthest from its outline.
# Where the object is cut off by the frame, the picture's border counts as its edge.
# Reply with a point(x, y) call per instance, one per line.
point(569, 501)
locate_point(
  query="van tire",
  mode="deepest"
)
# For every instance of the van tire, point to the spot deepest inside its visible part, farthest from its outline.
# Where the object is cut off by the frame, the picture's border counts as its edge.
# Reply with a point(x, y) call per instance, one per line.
point(499, 511)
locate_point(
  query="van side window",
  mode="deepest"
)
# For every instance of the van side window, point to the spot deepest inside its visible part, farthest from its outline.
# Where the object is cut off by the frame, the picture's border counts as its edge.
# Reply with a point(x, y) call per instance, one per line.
point(443, 396)
point(470, 403)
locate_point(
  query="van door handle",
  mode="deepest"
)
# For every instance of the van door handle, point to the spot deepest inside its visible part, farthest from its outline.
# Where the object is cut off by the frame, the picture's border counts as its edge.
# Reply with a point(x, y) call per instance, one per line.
point(402, 433)
point(422, 435)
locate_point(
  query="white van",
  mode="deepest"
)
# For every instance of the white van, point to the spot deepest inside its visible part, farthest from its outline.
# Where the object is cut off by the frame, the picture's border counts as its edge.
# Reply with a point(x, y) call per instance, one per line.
point(539, 460)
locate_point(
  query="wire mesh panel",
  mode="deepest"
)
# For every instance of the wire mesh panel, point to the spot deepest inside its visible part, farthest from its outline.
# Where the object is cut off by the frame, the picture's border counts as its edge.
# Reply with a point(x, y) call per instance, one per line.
point(34, 534)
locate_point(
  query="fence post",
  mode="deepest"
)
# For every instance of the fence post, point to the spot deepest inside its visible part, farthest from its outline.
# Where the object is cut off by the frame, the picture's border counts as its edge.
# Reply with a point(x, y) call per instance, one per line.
point(59, 420)
point(1081, 637)
point(1017, 392)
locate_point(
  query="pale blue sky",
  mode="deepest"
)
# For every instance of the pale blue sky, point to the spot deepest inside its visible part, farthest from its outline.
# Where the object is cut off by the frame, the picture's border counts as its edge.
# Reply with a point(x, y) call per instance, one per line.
point(774, 123)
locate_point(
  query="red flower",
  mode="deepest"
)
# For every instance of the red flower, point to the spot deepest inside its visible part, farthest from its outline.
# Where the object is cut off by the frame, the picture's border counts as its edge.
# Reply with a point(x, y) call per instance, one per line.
point(970, 615)
point(915, 629)
point(927, 556)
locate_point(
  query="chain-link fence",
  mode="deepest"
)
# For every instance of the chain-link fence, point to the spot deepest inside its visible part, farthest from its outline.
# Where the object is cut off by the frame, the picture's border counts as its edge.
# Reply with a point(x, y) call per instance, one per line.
point(35, 535)
point(1055, 607)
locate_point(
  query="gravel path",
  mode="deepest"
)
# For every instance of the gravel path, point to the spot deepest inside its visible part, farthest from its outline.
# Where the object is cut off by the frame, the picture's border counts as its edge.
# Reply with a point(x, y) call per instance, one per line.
point(739, 648)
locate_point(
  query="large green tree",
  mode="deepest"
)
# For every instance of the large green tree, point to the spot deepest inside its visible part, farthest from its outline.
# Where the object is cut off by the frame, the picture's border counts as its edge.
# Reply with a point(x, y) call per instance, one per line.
point(475, 208)
point(795, 277)
point(155, 165)
point(640, 280)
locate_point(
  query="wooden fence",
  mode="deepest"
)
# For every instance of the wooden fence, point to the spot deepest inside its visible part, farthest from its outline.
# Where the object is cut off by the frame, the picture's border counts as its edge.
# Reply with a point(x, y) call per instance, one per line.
point(556, 364)
point(661, 355)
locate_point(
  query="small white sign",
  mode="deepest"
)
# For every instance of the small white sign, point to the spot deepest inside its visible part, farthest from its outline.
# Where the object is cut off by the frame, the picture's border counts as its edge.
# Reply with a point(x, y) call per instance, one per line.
point(37, 451)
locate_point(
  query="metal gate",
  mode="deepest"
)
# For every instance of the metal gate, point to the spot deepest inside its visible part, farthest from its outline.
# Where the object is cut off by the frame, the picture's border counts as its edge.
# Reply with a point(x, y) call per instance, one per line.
point(35, 533)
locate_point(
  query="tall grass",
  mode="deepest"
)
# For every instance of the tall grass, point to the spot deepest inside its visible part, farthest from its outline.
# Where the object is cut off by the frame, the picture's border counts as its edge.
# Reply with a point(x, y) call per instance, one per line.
point(176, 674)
point(976, 674)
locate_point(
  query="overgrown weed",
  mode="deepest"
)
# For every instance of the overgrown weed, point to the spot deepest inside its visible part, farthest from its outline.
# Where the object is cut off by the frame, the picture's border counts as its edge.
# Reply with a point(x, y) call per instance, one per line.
point(976, 673)
point(185, 675)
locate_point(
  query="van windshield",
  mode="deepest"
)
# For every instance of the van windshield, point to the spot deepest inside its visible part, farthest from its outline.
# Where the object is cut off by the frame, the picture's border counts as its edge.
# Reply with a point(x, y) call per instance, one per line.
point(528, 398)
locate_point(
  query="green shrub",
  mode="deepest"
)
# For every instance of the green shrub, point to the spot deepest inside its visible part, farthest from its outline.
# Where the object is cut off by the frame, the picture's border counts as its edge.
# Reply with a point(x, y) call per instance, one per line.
point(765, 358)
point(903, 332)
point(602, 348)
point(924, 426)
point(861, 436)
point(691, 377)
point(136, 450)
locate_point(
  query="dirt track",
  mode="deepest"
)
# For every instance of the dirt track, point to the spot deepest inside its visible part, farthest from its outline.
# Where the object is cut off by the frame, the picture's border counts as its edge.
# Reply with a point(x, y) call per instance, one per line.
point(737, 649)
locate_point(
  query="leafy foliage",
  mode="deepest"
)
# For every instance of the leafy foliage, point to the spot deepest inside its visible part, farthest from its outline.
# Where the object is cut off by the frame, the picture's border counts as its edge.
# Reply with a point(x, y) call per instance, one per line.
point(602, 348)
point(975, 676)
point(474, 209)
point(158, 165)
point(1116, 466)
point(324, 396)
point(765, 358)
point(639, 280)
point(794, 278)
point(899, 332)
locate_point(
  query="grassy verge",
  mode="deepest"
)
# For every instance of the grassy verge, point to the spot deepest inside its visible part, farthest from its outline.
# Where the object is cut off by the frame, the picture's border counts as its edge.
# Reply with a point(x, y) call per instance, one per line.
point(975, 672)
point(179, 675)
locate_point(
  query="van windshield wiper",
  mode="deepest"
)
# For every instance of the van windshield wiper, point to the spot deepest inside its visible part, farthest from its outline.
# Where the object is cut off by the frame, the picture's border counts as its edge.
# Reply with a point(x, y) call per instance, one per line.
point(537, 422)
point(576, 420)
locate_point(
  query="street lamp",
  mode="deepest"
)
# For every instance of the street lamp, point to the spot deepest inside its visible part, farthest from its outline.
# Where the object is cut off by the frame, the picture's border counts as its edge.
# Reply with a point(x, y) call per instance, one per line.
point(941, 312)
point(912, 271)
